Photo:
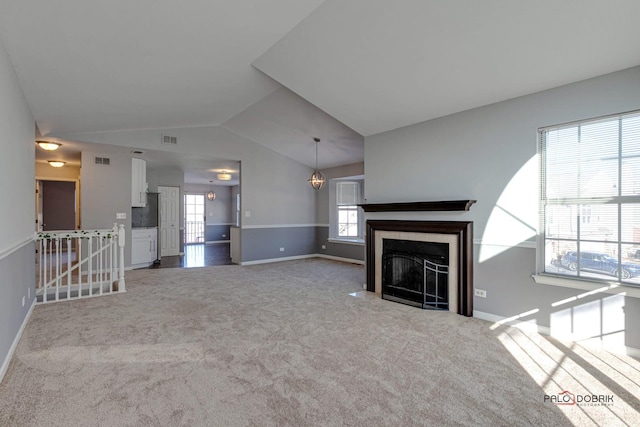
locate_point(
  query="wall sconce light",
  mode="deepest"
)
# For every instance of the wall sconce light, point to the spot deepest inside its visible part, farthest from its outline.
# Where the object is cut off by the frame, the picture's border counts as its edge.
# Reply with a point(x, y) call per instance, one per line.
point(49, 146)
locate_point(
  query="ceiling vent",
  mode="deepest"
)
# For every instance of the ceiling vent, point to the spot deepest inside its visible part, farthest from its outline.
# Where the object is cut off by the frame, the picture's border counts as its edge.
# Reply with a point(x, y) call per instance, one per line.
point(137, 152)
point(171, 140)
point(103, 161)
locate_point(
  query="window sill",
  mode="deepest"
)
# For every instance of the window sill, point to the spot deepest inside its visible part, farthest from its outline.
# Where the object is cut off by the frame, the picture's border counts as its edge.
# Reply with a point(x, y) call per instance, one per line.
point(359, 242)
point(591, 287)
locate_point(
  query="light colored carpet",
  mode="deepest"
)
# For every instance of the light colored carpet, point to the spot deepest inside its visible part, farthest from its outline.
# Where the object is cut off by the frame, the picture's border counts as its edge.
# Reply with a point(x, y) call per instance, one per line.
point(286, 345)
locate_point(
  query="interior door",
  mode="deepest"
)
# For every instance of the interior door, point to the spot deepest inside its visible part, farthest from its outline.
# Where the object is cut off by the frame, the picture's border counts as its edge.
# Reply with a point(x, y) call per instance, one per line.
point(58, 205)
point(169, 220)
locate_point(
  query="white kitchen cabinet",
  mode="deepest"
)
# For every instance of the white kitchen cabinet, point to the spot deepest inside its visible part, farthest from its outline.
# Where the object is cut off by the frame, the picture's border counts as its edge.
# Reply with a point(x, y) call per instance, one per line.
point(138, 183)
point(144, 246)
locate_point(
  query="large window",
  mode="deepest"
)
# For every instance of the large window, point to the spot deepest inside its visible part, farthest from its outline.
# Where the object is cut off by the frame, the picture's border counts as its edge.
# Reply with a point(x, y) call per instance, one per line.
point(590, 199)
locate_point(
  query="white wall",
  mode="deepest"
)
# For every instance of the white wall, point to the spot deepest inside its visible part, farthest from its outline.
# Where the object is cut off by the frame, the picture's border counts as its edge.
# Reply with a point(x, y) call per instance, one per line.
point(489, 154)
point(17, 136)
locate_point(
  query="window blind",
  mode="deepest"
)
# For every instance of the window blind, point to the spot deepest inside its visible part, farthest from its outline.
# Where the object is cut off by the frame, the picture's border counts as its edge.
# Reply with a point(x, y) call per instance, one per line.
point(590, 197)
point(347, 193)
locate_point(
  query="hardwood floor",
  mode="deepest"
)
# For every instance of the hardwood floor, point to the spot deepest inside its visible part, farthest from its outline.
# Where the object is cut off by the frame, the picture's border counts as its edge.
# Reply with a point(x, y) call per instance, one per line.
point(198, 255)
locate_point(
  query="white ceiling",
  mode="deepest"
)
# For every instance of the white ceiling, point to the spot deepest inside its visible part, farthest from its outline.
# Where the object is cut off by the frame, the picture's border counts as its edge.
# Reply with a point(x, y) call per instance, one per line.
point(374, 65)
point(381, 65)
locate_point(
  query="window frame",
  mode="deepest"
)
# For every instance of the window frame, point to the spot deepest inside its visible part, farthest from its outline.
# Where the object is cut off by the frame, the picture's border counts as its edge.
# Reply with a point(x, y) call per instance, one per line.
point(585, 208)
point(335, 209)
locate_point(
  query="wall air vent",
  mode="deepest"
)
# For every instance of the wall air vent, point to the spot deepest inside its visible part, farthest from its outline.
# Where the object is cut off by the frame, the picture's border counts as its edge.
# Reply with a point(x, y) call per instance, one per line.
point(103, 161)
point(137, 152)
point(172, 140)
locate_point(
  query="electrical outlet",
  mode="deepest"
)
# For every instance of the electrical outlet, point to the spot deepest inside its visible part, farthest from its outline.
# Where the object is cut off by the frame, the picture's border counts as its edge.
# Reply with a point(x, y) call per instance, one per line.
point(247, 214)
point(224, 235)
point(281, 249)
point(481, 293)
point(324, 246)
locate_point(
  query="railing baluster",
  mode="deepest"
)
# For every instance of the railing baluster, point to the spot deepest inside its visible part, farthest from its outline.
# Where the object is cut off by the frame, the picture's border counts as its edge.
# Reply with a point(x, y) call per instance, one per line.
point(79, 267)
point(69, 267)
point(46, 248)
point(101, 265)
point(90, 256)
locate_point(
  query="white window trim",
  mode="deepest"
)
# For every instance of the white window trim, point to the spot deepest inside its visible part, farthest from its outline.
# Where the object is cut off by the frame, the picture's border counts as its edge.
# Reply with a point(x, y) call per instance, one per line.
point(592, 287)
point(544, 278)
point(333, 214)
point(346, 240)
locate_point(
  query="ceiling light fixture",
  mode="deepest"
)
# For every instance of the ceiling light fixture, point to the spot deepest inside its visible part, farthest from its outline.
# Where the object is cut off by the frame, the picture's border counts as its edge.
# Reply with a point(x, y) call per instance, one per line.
point(49, 146)
point(224, 176)
point(317, 178)
point(211, 195)
point(56, 163)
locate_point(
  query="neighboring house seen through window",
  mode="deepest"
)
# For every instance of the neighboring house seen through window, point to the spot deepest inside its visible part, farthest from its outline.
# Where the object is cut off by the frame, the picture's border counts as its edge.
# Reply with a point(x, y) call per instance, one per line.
point(590, 199)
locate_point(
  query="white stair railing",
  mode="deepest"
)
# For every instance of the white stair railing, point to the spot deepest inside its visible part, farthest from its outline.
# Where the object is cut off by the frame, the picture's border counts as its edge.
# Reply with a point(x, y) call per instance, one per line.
point(79, 263)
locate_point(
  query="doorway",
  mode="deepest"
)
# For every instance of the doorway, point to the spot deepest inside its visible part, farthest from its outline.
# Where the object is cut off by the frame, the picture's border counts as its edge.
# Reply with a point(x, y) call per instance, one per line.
point(169, 217)
point(194, 219)
point(57, 205)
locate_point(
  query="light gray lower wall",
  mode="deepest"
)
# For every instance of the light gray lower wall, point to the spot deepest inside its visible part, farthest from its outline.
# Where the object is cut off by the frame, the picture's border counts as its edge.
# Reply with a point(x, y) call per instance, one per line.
point(18, 273)
point(216, 232)
point(337, 249)
point(265, 243)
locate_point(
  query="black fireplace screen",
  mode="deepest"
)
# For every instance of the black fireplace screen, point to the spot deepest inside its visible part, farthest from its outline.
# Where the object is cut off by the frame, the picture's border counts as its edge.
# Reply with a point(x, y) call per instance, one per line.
point(416, 273)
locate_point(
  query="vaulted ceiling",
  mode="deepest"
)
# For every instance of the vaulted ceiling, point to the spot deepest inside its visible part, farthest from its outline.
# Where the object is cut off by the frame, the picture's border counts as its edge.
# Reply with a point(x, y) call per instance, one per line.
point(280, 72)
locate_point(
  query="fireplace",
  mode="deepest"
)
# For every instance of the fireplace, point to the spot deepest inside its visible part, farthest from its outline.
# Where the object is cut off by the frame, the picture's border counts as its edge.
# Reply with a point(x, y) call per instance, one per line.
point(416, 273)
point(428, 264)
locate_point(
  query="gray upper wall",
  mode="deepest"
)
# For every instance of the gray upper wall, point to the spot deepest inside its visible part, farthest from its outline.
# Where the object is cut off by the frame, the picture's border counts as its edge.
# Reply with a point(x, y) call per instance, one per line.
point(490, 154)
point(274, 188)
point(322, 200)
point(218, 211)
point(105, 191)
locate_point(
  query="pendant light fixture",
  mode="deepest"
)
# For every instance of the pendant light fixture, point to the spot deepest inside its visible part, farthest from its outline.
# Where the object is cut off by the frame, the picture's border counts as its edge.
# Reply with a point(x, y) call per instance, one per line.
point(317, 178)
point(224, 176)
point(211, 195)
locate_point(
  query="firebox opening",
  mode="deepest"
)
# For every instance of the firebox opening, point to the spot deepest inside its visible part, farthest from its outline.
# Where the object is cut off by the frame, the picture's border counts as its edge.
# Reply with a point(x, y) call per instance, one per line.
point(416, 273)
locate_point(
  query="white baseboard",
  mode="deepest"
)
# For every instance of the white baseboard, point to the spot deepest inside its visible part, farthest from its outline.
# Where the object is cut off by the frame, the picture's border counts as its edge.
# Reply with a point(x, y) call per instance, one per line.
point(270, 260)
point(545, 330)
point(337, 258)
point(213, 242)
point(16, 340)
point(293, 258)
